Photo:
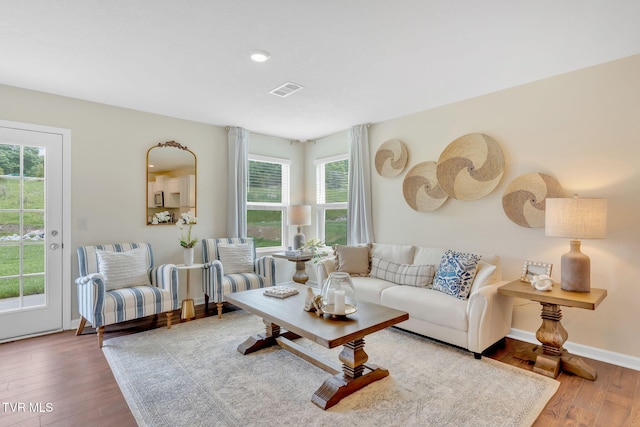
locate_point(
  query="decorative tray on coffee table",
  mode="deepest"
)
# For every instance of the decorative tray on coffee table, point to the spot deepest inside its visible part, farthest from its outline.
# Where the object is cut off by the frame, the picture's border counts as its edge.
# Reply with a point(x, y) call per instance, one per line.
point(280, 291)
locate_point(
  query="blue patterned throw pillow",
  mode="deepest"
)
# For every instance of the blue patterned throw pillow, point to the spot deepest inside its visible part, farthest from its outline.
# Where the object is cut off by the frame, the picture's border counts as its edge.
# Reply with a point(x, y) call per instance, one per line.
point(456, 273)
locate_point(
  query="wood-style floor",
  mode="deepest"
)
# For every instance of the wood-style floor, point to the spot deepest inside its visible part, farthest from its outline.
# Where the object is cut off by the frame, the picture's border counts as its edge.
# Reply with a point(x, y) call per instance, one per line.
point(64, 380)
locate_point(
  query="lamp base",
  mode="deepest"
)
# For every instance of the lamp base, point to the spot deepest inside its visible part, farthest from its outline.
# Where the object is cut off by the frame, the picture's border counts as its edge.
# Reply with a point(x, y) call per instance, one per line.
point(575, 270)
point(298, 240)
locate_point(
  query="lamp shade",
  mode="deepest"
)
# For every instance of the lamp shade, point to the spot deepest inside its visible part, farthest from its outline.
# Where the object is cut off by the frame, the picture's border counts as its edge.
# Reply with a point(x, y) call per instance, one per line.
point(576, 218)
point(299, 215)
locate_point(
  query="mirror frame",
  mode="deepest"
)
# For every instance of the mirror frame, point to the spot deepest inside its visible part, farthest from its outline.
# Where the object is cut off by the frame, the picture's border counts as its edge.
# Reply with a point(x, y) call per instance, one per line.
point(171, 144)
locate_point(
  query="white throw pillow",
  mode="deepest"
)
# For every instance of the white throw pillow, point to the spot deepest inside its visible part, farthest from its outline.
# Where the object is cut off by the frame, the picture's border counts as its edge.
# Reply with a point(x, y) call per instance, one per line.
point(236, 257)
point(123, 269)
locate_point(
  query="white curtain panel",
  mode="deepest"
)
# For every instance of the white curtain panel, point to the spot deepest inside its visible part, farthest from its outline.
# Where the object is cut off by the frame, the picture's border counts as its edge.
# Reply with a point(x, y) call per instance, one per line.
point(359, 223)
point(238, 139)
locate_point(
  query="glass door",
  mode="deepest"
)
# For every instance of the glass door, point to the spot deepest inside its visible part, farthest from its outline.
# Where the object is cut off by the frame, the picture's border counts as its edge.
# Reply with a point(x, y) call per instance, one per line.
point(30, 232)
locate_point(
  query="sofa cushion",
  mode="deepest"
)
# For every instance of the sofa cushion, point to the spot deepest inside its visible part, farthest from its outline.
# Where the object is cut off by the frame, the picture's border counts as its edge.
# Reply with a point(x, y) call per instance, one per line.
point(456, 273)
point(402, 274)
point(123, 269)
point(402, 254)
point(370, 288)
point(352, 259)
point(424, 255)
point(236, 257)
point(427, 305)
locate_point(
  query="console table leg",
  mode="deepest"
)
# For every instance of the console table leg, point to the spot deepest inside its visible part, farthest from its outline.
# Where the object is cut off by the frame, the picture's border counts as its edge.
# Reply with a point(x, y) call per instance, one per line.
point(300, 276)
point(550, 358)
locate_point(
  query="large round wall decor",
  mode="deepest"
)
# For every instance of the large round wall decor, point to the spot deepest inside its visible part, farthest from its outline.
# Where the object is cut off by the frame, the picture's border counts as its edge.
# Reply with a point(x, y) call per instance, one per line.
point(471, 167)
point(524, 200)
point(391, 158)
point(421, 189)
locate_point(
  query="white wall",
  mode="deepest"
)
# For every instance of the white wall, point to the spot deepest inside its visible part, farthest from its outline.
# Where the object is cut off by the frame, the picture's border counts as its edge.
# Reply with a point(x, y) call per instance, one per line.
point(583, 128)
point(108, 163)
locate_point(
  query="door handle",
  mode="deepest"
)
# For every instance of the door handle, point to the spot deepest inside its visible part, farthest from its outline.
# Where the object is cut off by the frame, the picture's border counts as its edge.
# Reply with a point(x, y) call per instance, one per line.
point(54, 246)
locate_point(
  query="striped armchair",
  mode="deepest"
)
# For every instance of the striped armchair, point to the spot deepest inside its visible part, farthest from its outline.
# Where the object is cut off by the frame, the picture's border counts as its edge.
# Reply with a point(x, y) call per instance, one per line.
point(230, 265)
point(118, 283)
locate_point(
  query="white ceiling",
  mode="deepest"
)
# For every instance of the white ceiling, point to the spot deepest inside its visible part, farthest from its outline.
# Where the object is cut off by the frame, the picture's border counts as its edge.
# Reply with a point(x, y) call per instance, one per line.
point(360, 61)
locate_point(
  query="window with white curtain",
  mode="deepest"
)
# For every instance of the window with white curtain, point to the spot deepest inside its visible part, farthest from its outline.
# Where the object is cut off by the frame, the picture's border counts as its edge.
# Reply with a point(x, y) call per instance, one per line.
point(267, 200)
point(332, 193)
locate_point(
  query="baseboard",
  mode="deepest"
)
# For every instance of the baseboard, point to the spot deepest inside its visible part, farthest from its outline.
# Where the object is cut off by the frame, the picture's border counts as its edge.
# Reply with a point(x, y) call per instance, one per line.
point(594, 353)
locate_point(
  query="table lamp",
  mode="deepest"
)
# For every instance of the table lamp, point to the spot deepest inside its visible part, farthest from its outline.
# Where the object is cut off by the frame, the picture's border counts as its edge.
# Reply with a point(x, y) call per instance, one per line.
point(299, 215)
point(576, 218)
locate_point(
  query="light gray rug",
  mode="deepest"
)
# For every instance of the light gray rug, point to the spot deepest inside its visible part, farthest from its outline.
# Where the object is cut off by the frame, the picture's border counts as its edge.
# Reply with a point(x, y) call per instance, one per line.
point(192, 375)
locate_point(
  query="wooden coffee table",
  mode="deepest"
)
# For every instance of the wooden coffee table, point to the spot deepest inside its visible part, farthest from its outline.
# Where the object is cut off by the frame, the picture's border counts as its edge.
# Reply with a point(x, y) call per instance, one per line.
point(288, 313)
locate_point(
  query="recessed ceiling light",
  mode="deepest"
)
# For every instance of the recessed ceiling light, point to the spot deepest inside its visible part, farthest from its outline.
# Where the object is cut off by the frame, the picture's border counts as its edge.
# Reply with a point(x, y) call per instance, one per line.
point(260, 56)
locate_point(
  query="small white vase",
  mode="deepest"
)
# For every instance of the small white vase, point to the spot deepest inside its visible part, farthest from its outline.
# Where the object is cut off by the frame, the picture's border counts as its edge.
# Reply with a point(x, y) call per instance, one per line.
point(188, 256)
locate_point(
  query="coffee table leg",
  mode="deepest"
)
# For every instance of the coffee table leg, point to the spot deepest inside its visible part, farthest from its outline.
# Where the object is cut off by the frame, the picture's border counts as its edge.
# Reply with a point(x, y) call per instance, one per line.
point(267, 339)
point(260, 341)
point(355, 375)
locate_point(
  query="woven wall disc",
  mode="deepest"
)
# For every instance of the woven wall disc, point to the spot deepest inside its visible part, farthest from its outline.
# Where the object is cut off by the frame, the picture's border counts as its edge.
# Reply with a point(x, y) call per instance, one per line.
point(421, 189)
point(391, 158)
point(524, 200)
point(471, 167)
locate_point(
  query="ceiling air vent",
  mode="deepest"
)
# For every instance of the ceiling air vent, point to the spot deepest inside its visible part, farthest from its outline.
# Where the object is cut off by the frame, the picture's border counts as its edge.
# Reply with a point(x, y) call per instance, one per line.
point(286, 89)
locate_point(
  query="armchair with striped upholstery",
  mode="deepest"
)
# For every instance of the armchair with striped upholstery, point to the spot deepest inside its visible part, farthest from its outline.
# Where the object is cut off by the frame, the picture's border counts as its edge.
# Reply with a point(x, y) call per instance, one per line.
point(118, 282)
point(230, 265)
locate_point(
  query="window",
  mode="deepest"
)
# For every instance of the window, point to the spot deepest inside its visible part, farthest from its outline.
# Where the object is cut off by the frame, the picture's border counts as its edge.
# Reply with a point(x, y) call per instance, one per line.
point(267, 198)
point(332, 193)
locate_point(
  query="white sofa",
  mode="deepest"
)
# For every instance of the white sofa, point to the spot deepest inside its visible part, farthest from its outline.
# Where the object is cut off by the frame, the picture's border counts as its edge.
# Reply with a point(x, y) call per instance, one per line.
point(474, 323)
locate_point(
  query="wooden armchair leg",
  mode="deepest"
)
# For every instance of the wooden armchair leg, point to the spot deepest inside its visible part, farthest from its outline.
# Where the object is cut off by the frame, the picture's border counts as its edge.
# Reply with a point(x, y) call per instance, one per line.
point(83, 322)
point(100, 335)
point(169, 315)
point(219, 310)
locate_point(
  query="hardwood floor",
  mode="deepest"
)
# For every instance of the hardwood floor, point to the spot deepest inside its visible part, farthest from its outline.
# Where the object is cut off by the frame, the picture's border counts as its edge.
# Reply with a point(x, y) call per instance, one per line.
point(64, 380)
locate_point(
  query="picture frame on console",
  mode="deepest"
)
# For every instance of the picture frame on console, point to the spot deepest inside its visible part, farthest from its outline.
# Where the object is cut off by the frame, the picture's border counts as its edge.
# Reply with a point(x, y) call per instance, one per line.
point(534, 268)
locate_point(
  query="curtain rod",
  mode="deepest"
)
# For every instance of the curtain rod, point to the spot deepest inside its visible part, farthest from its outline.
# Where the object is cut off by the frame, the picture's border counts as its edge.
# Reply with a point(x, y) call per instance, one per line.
point(228, 128)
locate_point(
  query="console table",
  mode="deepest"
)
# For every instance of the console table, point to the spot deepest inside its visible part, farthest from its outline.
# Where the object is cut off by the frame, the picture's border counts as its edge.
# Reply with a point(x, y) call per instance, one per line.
point(300, 276)
point(550, 357)
point(188, 311)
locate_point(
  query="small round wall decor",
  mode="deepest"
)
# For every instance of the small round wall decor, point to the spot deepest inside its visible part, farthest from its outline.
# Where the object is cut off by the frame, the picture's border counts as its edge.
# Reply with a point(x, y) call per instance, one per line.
point(421, 189)
point(391, 158)
point(471, 167)
point(524, 200)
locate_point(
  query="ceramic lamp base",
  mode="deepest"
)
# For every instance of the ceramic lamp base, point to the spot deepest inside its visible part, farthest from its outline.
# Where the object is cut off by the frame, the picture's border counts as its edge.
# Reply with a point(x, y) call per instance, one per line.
point(298, 241)
point(575, 270)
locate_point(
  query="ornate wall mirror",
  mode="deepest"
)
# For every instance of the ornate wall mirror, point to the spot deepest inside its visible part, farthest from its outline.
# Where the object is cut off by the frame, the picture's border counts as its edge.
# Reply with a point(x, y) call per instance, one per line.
point(171, 183)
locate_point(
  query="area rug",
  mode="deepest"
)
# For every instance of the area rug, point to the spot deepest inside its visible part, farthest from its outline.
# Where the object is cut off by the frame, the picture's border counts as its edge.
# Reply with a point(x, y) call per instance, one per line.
point(192, 375)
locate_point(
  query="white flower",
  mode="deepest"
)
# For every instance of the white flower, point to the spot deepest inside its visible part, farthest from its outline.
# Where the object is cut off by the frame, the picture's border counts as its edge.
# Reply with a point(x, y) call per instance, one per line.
point(161, 217)
point(187, 241)
point(187, 218)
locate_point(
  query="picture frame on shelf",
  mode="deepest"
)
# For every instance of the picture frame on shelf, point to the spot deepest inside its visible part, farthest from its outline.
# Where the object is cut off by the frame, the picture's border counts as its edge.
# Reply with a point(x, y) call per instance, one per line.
point(534, 268)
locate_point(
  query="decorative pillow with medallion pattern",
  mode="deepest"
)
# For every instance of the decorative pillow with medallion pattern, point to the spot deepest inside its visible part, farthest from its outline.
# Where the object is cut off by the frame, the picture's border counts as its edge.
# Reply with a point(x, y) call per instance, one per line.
point(456, 273)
